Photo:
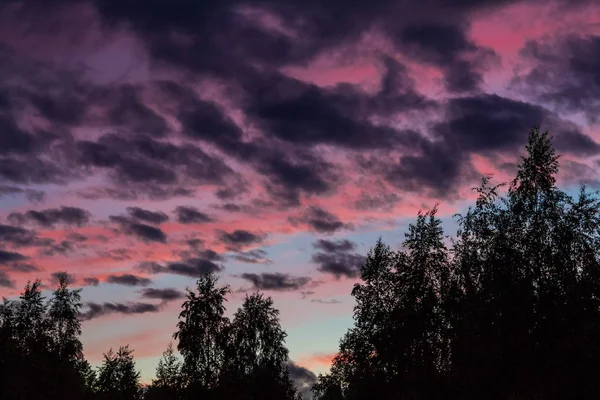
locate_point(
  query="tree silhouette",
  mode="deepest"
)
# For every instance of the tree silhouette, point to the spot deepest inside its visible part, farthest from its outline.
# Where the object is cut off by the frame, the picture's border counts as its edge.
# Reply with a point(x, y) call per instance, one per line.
point(200, 335)
point(41, 352)
point(256, 356)
point(167, 384)
point(509, 311)
point(117, 376)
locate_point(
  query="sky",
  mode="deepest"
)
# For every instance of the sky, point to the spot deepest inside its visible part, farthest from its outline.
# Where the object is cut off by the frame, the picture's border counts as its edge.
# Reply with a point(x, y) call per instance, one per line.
point(143, 144)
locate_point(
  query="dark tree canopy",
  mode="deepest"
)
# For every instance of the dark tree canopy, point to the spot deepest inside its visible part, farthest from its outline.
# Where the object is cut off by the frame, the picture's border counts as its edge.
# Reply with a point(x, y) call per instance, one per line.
point(508, 311)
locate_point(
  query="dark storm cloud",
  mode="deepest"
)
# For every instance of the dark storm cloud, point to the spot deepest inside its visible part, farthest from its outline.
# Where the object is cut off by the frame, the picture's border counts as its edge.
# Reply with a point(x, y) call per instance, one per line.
point(371, 201)
point(205, 120)
point(306, 114)
point(5, 281)
point(494, 123)
point(96, 310)
point(232, 207)
point(153, 217)
point(120, 254)
point(477, 124)
point(64, 247)
point(147, 162)
point(339, 264)
point(288, 176)
point(63, 110)
point(209, 254)
point(91, 281)
point(147, 190)
point(191, 215)
point(258, 256)
point(290, 179)
point(34, 196)
point(76, 237)
point(275, 281)
point(565, 73)
point(332, 246)
point(145, 233)
point(128, 280)
point(337, 258)
point(31, 170)
point(22, 268)
point(20, 237)
point(192, 267)
point(56, 276)
point(240, 238)
point(435, 166)
point(219, 36)
point(50, 217)
point(323, 301)
point(446, 46)
point(24, 147)
point(10, 256)
point(125, 108)
point(319, 220)
point(14, 140)
point(167, 294)
point(303, 379)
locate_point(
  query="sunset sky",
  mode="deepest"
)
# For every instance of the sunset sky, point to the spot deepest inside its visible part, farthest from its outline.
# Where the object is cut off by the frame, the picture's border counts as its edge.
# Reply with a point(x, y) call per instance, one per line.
point(143, 143)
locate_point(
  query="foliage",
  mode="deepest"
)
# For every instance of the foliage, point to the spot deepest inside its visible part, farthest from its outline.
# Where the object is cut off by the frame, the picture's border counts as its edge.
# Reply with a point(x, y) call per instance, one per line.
point(509, 311)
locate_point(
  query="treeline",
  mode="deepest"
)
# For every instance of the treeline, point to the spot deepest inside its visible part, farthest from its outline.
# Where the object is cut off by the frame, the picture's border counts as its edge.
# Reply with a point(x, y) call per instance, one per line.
point(507, 309)
point(243, 359)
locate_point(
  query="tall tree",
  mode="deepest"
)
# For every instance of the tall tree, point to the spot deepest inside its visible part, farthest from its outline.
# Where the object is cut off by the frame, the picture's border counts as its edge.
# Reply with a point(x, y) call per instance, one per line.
point(167, 384)
point(256, 356)
point(510, 311)
point(118, 378)
point(70, 367)
point(200, 334)
point(63, 313)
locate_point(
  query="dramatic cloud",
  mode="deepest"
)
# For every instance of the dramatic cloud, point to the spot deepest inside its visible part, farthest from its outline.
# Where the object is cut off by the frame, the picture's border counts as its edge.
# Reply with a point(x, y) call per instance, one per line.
point(5, 280)
point(385, 201)
point(18, 236)
point(56, 276)
point(145, 233)
point(120, 254)
point(91, 281)
point(128, 280)
point(63, 248)
point(191, 215)
point(20, 267)
point(275, 281)
point(167, 294)
point(319, 220)
point(239, 239)
point(96, 310)
point(192, 267)
point(258, 256)
point(564, 73)
point(323, 301)
point(50, 217)
point(145, 165)
point(303, 379)
point(235, 125)
point(76, 237)
point(153, 217)
point(34, 196)
point(333, 246)
point(9, 256)
point(336, 258)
